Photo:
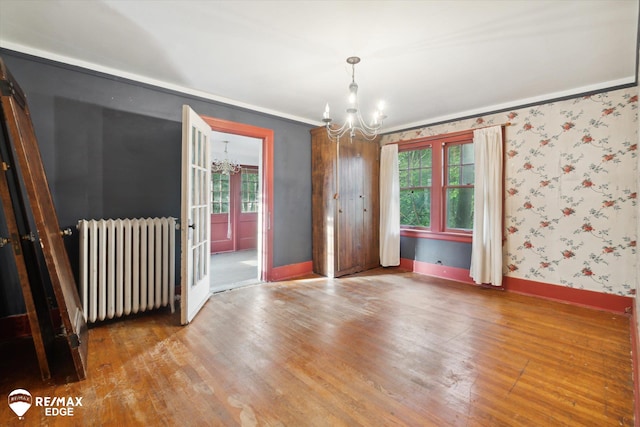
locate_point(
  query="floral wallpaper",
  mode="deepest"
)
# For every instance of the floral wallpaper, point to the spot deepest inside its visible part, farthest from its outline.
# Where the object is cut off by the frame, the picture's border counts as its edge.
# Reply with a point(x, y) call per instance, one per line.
point(571, 182)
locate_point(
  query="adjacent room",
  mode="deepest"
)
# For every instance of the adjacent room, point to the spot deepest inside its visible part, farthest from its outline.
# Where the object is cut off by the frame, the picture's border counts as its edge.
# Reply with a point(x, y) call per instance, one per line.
point(319, 213)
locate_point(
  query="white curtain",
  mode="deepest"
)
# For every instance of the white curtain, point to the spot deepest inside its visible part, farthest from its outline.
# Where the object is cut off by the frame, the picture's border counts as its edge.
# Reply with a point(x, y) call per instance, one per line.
point(389, 207)
point(486, 252)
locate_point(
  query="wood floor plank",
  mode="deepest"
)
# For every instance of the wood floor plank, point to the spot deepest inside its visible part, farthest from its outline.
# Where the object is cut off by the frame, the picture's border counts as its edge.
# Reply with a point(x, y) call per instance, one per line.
point(379, 348)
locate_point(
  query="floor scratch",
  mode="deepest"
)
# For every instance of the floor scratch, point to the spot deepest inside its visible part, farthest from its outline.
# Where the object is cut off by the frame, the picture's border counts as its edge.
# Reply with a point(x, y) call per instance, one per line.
point(519, 376)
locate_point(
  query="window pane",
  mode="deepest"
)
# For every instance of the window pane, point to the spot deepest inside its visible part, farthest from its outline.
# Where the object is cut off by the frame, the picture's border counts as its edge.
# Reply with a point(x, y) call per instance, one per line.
point(454, 175)
point(403, 159)
point(467, 153)
point(415, 178)
point(403, 178)
point(426, 177)
point(415, 159)
point(468, 177)
point(415, 207)
point(454, 154)
point(427, 157)
point(415, 182)
point(460, 208)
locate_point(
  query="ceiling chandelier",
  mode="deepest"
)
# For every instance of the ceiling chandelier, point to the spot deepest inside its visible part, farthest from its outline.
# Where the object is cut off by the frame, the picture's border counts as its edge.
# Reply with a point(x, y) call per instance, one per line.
point(355, 122)
point(226, 166)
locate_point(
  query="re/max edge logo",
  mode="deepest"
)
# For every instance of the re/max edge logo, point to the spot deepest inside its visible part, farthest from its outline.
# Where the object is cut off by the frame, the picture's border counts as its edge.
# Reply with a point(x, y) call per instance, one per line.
point(20, 400)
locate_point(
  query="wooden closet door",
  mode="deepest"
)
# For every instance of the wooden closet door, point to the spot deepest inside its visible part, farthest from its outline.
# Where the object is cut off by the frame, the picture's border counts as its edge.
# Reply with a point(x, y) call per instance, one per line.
point(323, 202)
point(349, 218)
point(345, 204)
point(371, 204)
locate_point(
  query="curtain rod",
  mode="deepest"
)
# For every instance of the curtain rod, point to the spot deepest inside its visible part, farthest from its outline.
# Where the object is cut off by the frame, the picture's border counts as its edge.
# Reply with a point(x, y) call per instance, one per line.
point(504, 125)
point(448, 134)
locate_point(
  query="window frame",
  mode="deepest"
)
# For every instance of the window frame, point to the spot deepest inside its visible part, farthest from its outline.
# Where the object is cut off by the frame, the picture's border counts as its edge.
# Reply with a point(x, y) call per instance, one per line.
point(438, 144)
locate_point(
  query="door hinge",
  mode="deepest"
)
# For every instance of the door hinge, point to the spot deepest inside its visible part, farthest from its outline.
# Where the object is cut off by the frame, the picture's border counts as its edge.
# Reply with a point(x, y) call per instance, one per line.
point(74, 340)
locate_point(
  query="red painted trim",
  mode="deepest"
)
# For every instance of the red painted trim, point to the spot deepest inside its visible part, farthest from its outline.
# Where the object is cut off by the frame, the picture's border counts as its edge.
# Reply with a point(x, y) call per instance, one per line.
point(444, 272)
point(635, 360)
point(291, 271)
point(406, 264)
point(267, 136)
point(582, 297)
point(426, 234)
point(607, 302)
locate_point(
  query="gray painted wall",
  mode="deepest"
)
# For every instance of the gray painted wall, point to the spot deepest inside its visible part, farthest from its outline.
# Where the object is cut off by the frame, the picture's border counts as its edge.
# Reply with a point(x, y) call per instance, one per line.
point(441, 252)
point(111, 148)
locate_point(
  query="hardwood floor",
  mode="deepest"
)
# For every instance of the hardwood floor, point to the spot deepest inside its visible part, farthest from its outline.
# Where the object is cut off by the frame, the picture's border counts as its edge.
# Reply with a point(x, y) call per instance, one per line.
point(373, 349)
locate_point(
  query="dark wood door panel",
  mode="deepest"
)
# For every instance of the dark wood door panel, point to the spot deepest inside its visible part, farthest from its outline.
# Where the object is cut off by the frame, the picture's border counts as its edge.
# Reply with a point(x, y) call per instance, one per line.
point(26, 155)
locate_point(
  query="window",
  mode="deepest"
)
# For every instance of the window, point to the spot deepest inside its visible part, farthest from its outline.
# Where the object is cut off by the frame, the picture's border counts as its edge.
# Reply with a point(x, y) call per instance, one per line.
point(458, 186)
point(436, 186)
point(415, 187)
point(219, 193)
point(249, 190)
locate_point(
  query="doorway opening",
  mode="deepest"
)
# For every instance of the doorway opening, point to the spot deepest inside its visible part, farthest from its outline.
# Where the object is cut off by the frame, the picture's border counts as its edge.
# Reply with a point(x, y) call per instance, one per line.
point(235, 202)
point(242, 261)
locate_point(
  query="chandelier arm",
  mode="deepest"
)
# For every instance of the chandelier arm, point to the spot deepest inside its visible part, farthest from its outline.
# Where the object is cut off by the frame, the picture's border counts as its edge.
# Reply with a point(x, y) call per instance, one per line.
point(340, 130)
point(363, 124)
point(337, 133)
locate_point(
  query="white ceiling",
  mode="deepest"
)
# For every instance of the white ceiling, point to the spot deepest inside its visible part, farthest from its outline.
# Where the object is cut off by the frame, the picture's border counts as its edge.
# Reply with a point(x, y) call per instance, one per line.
point(240, 149)
point(429, 60)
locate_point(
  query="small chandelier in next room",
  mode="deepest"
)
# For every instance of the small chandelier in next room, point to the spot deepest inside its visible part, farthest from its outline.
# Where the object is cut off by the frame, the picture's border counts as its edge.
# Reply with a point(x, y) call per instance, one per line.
point(354, 122)
point(226, 166)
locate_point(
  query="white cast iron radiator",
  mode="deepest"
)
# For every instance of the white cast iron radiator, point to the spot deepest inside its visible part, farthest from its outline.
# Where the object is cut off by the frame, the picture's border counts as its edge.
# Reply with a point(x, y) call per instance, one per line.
point(126, 266)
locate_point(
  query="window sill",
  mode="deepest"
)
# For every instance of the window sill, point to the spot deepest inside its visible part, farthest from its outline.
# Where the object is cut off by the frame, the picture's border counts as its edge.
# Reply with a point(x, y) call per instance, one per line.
point(426, 234)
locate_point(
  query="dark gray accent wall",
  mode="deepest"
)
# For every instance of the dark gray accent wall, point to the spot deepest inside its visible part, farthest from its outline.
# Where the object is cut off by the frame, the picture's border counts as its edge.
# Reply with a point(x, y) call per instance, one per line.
point(442, 252)
point(111, 148)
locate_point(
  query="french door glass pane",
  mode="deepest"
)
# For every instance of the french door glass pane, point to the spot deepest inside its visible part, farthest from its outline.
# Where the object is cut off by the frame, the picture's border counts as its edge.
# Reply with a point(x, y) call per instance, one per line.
point(219, 193)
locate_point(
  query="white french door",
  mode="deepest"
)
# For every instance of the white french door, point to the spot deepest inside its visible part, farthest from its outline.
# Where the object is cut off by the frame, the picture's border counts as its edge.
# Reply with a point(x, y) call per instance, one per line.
point(196, 214)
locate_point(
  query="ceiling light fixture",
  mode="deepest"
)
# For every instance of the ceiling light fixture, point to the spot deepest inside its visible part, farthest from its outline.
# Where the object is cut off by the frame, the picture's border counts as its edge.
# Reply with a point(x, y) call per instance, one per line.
point(225, 166)
point(354, 122)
